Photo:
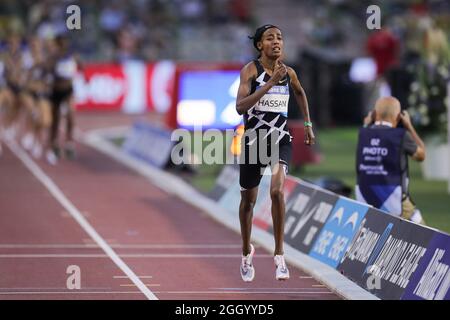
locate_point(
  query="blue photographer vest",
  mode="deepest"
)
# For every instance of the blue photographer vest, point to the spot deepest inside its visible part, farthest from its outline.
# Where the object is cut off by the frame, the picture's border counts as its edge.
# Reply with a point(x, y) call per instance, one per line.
point(378, 167)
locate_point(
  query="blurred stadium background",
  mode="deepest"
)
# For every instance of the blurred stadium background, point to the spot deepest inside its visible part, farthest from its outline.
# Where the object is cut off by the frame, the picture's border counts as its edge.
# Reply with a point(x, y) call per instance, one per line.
point(133, 52)
point(175, 64)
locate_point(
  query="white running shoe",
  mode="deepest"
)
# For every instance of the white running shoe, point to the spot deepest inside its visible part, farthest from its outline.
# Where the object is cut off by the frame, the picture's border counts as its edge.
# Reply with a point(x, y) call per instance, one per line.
point(27, 141)
point(51, 158)
point(281, 272)
point(36, 152)
point(247, 269)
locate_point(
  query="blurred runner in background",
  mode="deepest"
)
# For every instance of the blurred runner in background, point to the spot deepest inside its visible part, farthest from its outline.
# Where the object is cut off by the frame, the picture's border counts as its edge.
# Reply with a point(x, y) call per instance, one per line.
point(14, 80)
point(65, 67)
point(37, 103)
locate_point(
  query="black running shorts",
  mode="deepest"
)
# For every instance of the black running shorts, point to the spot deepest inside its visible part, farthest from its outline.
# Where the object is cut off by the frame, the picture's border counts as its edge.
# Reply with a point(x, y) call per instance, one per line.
point(60, 95)
point(250, 173)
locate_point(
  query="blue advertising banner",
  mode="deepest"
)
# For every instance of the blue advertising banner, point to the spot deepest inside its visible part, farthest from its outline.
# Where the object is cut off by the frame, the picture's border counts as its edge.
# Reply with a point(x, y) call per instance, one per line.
point(385, 254)
point(338, 232)
point(431, 280)
point(208, 99)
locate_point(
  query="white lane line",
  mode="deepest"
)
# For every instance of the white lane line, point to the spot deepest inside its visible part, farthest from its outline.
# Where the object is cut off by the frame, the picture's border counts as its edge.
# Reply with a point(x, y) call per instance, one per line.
point(120, 246)
point(49, 246)
point(68, 292)
point(248, 289)
point(53, 288)
point(247, 292)
point(133, 285)
point(125, 277)
point(178, 246)
point(305, 277)
point(62, 199)
point(131, 255)
point(56, 255)
point(159, 292)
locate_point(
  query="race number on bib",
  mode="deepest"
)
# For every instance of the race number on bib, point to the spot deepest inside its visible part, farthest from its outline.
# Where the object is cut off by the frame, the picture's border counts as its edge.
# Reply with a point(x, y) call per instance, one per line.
point(275, 100)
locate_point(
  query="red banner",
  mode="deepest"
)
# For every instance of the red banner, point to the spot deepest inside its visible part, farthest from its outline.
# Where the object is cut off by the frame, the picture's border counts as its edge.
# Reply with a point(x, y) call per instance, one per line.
point(132, 87)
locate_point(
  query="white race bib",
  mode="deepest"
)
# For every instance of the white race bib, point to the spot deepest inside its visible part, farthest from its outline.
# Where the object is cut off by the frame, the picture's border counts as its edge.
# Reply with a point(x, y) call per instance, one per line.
point(275, 100)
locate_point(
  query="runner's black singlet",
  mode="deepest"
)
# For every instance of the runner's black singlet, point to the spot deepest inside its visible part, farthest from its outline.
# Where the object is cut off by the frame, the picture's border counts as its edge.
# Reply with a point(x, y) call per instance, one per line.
point(265, 122)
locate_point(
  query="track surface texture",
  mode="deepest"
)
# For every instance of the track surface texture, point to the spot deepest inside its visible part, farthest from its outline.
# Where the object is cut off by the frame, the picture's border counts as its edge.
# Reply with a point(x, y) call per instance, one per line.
point(174, 249)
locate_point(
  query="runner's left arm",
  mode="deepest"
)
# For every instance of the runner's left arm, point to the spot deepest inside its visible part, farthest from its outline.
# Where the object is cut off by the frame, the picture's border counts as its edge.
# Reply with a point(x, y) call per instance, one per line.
point(302, 101)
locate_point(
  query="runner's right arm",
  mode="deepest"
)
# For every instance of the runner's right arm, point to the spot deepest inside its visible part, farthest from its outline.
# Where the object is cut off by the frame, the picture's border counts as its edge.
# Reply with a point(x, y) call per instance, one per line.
point(245, 101)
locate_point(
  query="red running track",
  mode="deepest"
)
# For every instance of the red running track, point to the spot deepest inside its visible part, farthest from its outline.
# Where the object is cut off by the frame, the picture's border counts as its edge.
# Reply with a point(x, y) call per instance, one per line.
point(176, 250)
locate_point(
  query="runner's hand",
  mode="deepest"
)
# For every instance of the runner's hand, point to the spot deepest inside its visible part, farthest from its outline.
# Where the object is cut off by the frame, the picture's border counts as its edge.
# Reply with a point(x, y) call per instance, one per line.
point(310, 139)
point(279, 72)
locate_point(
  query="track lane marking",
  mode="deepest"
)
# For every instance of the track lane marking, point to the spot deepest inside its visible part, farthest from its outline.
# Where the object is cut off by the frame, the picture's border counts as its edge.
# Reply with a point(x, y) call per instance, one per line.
point(159, 292)
point(125, 277)
point(133, 285)
point(125, 255)
point(120, 246)
point(246, 292)
point(68, 292)
point(56, 192)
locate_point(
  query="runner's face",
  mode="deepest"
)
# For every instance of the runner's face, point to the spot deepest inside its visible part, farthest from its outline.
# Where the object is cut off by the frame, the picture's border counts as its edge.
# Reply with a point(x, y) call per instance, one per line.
point(271, 43)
